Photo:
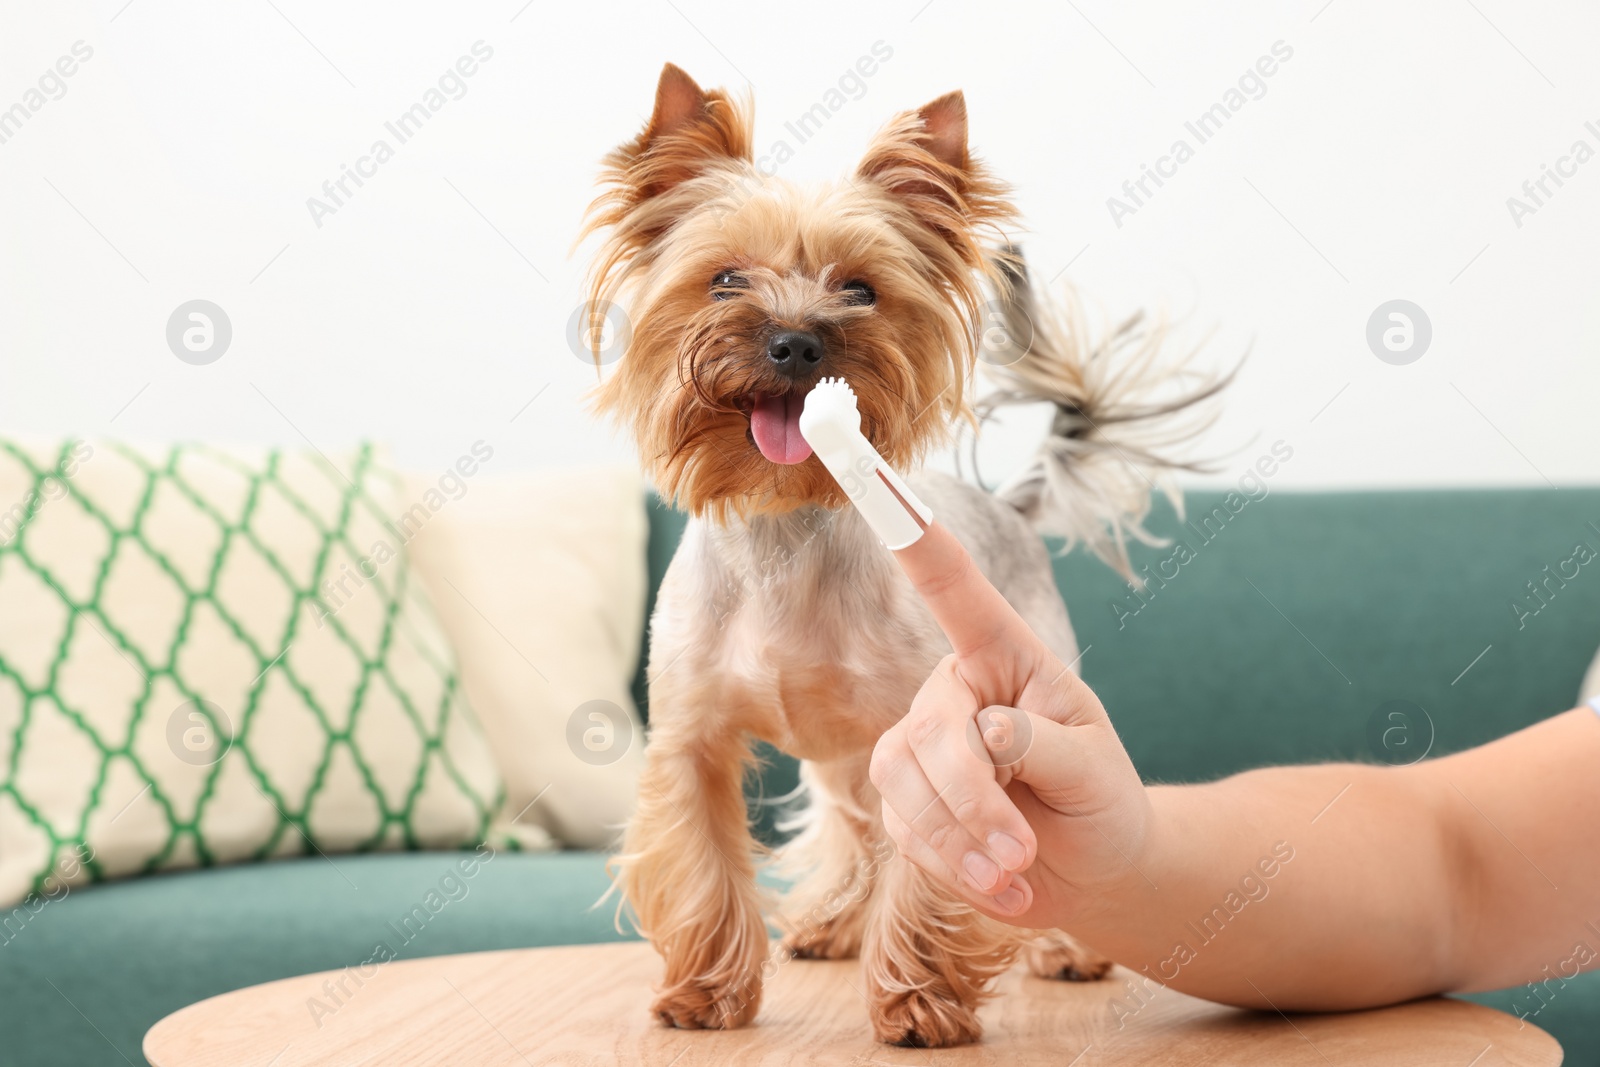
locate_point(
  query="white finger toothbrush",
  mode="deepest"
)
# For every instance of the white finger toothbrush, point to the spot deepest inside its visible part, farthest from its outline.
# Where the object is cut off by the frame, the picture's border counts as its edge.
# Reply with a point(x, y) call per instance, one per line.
point(831, 425)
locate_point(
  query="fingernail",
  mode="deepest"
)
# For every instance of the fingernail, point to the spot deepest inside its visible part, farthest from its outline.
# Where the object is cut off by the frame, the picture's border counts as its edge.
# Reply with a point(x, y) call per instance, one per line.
point(981, 869)
point(1009, 900)
point(1008, 850)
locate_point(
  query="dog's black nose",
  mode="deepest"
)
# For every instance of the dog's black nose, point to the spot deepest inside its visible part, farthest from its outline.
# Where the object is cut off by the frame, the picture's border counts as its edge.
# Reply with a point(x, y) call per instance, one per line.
point(795, 353)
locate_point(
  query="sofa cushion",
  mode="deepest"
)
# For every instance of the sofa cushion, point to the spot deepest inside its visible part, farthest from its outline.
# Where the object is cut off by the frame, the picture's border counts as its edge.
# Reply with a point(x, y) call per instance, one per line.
point(82, 980)
point(539, 579)
point(210, 655)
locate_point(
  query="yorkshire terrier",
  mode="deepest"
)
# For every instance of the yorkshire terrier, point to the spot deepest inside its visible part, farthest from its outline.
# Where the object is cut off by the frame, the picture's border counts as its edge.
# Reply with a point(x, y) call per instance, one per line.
point(781, 617)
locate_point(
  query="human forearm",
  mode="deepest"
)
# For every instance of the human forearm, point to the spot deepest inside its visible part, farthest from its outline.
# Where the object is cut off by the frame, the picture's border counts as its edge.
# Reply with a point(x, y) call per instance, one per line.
point(1401, 881)
point(1303, 887)
point(1524, 813)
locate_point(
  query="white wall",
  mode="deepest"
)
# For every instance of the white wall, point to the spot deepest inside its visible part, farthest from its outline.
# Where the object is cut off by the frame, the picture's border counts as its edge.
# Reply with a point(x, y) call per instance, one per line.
point(1377, 165)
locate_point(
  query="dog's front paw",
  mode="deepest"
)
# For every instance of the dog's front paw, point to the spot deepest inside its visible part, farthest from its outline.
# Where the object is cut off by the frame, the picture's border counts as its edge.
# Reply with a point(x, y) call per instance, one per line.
point(1057, 956)
point(922, 1019)
point(701, 1006)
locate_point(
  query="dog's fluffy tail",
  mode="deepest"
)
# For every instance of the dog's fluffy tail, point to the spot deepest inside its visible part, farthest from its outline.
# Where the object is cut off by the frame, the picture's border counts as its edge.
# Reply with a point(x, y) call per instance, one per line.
point(1124, 406)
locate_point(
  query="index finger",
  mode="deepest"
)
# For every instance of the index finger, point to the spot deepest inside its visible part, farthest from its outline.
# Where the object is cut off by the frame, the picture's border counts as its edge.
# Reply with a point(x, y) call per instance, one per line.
point(970, 611)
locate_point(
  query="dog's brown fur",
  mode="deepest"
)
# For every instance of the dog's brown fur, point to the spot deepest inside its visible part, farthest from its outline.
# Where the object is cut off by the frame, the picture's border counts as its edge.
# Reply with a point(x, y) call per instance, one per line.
point(781, 618)
point(684, 201)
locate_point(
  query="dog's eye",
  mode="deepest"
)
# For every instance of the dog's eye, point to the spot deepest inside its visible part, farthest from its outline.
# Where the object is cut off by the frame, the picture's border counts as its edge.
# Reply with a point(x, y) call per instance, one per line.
point(726, 283)
point(860, 294)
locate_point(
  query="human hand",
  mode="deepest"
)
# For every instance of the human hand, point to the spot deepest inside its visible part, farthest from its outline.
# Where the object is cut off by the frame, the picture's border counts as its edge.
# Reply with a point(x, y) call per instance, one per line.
point(1006, 761)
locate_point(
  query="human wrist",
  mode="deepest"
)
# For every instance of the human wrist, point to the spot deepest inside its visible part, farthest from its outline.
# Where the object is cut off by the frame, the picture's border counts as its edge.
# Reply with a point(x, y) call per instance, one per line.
point(1110, 912)
point(1118, 894)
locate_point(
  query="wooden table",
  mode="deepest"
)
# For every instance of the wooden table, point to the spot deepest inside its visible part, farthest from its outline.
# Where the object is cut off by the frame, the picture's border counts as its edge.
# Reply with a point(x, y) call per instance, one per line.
point(586, 1005)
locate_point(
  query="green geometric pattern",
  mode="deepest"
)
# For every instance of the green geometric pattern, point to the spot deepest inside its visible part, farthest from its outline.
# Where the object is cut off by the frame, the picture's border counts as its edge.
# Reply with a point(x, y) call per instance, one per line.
point(268, 586)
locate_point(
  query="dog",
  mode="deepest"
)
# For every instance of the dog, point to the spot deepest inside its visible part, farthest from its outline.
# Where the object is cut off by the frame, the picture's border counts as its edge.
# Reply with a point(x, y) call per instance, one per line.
point(781, 617)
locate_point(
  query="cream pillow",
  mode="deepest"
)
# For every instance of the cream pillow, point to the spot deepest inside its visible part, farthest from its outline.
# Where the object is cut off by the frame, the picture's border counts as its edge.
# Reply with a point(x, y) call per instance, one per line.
point(1591, 681)
point(540, 580)
point(212, 655)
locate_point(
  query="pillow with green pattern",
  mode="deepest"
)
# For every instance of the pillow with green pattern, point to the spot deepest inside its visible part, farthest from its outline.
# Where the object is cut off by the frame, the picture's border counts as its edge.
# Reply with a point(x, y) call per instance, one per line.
point(175, 689)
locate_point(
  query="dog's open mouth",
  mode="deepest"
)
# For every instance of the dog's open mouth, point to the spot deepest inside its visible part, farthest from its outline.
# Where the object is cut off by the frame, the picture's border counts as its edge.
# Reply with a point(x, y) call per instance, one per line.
point(775, 426)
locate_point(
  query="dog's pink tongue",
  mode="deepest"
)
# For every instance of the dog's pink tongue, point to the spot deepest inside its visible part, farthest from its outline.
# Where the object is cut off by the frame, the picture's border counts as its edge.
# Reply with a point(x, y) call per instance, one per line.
point(775, 424)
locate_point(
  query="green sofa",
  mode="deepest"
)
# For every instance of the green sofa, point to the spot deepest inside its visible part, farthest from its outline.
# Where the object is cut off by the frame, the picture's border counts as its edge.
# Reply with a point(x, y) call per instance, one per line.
point(1298, 619)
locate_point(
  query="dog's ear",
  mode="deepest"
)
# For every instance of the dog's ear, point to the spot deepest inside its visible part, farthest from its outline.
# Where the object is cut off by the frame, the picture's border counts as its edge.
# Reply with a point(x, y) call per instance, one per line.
point(690, 129)
point(679, 102)
point(921, 158)
point(646, 184)
point(944, 125)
